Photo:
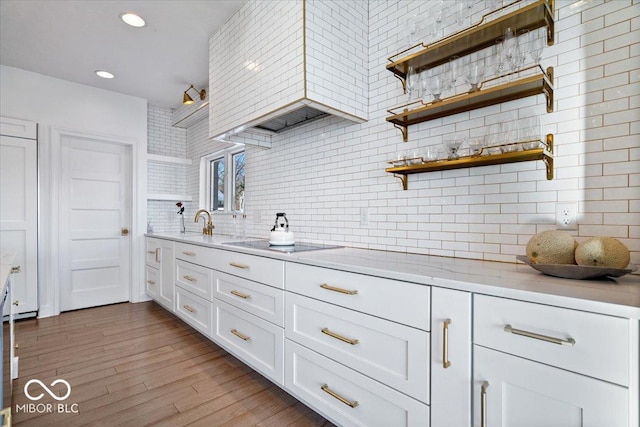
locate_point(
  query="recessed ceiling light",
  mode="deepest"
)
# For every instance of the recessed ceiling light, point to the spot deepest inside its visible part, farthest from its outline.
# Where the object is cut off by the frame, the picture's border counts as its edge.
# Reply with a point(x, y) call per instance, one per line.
point(104, 74)
point(132, 19)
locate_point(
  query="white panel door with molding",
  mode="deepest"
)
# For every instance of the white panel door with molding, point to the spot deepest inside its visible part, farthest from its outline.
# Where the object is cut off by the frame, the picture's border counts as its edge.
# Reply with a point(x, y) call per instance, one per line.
point(19, 216)
point(94, 217)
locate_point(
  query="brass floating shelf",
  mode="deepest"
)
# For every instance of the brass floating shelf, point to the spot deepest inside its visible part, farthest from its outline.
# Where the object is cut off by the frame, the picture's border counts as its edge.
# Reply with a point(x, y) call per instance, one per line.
point(477, 37)
point(521, 88)
point(545, 153)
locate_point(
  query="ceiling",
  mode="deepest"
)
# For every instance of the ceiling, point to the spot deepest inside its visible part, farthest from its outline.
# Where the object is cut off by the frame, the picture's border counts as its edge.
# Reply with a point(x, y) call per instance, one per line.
point(71, 39)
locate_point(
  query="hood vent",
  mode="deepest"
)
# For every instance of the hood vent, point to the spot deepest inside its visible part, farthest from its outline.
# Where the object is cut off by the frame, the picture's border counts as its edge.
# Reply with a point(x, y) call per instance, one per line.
point(292, 119)
point(284, 70)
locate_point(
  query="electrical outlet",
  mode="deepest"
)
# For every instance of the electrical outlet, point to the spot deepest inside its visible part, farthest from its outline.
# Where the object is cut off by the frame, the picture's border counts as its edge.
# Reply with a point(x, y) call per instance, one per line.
point(364, 216)
point(567, 216)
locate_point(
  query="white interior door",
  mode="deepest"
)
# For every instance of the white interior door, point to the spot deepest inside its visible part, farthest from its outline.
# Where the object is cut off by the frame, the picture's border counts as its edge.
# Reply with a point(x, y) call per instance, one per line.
point(19, 216)
point(95, 206)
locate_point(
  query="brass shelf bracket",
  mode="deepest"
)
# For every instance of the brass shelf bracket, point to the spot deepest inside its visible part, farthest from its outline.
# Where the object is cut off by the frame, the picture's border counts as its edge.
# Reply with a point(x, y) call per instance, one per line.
point(404, 130)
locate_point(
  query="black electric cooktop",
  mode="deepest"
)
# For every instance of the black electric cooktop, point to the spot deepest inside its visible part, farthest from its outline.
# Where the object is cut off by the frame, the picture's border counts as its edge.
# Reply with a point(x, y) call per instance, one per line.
point(298, 247)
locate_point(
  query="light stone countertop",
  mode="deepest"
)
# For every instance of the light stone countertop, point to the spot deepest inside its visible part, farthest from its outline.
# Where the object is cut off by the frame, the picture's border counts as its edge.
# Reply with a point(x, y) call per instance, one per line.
point(613, 296)
point(6, 262)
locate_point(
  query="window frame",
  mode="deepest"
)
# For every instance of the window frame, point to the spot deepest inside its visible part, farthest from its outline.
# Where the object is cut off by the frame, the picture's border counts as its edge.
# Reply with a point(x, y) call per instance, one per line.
point(229, 178)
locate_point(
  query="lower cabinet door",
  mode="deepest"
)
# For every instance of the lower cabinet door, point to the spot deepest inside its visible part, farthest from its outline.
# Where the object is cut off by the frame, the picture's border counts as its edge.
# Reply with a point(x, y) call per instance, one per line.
point(257, 342)
point(450, 358)
point(511, 391)
point(152, 281)
point(346, 396)
point(194, 310)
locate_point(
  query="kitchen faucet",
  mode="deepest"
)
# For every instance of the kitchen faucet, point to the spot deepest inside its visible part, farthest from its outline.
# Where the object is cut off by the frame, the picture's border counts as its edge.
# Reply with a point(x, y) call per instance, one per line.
point(208, 227)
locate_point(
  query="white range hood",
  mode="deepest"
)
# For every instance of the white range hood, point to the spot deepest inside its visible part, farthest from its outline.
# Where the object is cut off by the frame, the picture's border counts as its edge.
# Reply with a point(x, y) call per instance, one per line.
point(278, 64)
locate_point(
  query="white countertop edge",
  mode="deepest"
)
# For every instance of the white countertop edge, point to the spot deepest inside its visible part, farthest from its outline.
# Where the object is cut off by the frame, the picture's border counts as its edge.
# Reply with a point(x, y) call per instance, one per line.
point(616, 297)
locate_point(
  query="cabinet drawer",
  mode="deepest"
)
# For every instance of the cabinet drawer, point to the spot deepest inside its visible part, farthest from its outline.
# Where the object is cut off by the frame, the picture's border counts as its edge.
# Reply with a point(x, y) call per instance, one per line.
point(393, 354)
point(347, 397)
point(194, 310)
point(256, 268)
point(262, 300)
point(259, 343)
point(402, 302)
point(152, 254)
point(194, 278)
point(587, 343)
point(259, 269)
point(152, 281)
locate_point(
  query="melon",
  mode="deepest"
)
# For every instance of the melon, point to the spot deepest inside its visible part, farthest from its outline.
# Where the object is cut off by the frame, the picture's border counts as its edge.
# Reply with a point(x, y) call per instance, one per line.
point(603, 252)
point(552, 247)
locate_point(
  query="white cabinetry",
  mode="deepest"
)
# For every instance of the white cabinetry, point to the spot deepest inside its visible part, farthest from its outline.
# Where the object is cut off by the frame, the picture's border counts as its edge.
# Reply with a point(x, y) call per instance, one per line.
point(366, 340)
point(19, 207)
point(450, 358)
point(537, 365)
point(237, 300)
point(159, 280)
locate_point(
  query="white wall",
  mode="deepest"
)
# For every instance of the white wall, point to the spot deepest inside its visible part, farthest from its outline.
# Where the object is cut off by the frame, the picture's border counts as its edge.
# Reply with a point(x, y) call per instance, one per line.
point(61, 105)
point(323, 173)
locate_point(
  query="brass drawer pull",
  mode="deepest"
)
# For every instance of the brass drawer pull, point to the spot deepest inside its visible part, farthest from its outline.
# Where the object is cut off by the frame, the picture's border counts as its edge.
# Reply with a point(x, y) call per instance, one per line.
point(342, 291)
point(237, 265)
point(569, 342)
point(483, 403)
point(445, 344)
point(189, 278)
point(151, 282)
point(16, 303)
point(157, 254)
point(189, 253)
point(339, 337)
point(241, 336)
point(190, 309)
point(151, 252)
point(332, 393)
point(240, 294)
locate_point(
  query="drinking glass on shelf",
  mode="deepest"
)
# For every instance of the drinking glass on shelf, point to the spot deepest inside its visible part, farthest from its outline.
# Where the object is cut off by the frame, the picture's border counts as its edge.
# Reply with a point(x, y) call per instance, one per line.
point(510, 49)
point(439, 11)
point(474, 73)
point(498, 64)
point(413, 29)
point(510, 131)
point(436, 85)
point(453, 143)
point(523, 47)
point(413, 85)
point(494, 138)
point(453, 71)
point(535, 46)
point(530, 132)
point(475, 146)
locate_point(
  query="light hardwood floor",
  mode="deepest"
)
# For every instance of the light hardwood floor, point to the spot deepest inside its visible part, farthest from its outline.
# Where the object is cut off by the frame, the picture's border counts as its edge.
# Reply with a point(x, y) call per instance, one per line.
point(136, 365)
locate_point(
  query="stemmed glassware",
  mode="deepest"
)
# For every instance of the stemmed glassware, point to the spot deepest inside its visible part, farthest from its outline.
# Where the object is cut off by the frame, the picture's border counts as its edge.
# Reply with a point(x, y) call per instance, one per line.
point(436, 85)
point(535, 46)
point(510, 49)
point(498, 61)
point(414, 26)
point(474, 73)
point(412, 85)
point(453, 143)
point(453, 71)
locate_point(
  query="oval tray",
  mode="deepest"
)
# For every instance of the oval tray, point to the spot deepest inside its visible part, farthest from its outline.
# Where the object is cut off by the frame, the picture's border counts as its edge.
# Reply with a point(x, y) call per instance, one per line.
point(568, 271)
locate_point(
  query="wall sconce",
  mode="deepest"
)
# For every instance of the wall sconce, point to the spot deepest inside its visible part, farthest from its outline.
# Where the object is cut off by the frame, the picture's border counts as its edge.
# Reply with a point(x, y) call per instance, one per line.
point(187, 100)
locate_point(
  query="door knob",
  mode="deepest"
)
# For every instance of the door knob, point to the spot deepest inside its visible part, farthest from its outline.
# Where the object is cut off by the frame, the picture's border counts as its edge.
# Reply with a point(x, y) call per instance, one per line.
point(124, 231)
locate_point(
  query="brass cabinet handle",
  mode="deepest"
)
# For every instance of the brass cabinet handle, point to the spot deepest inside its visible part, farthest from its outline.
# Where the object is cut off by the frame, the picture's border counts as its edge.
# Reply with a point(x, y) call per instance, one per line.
point(16, 303)
point(339, 337)
point(342, 291)
point(16, 269)
point(157, 254)
point(239, 335)
point(151, 282)
point(151, 252)
point(189, 253)
point(445, 344)
point(483, 403)
point(332, 393)
point(569, 342)
point(237, 265)
point(189, 278)
point(189, 308)
point(240, 294)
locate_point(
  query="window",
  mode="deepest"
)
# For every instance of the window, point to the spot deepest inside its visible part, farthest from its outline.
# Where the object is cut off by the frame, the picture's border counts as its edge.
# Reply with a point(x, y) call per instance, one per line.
point(222, 180)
